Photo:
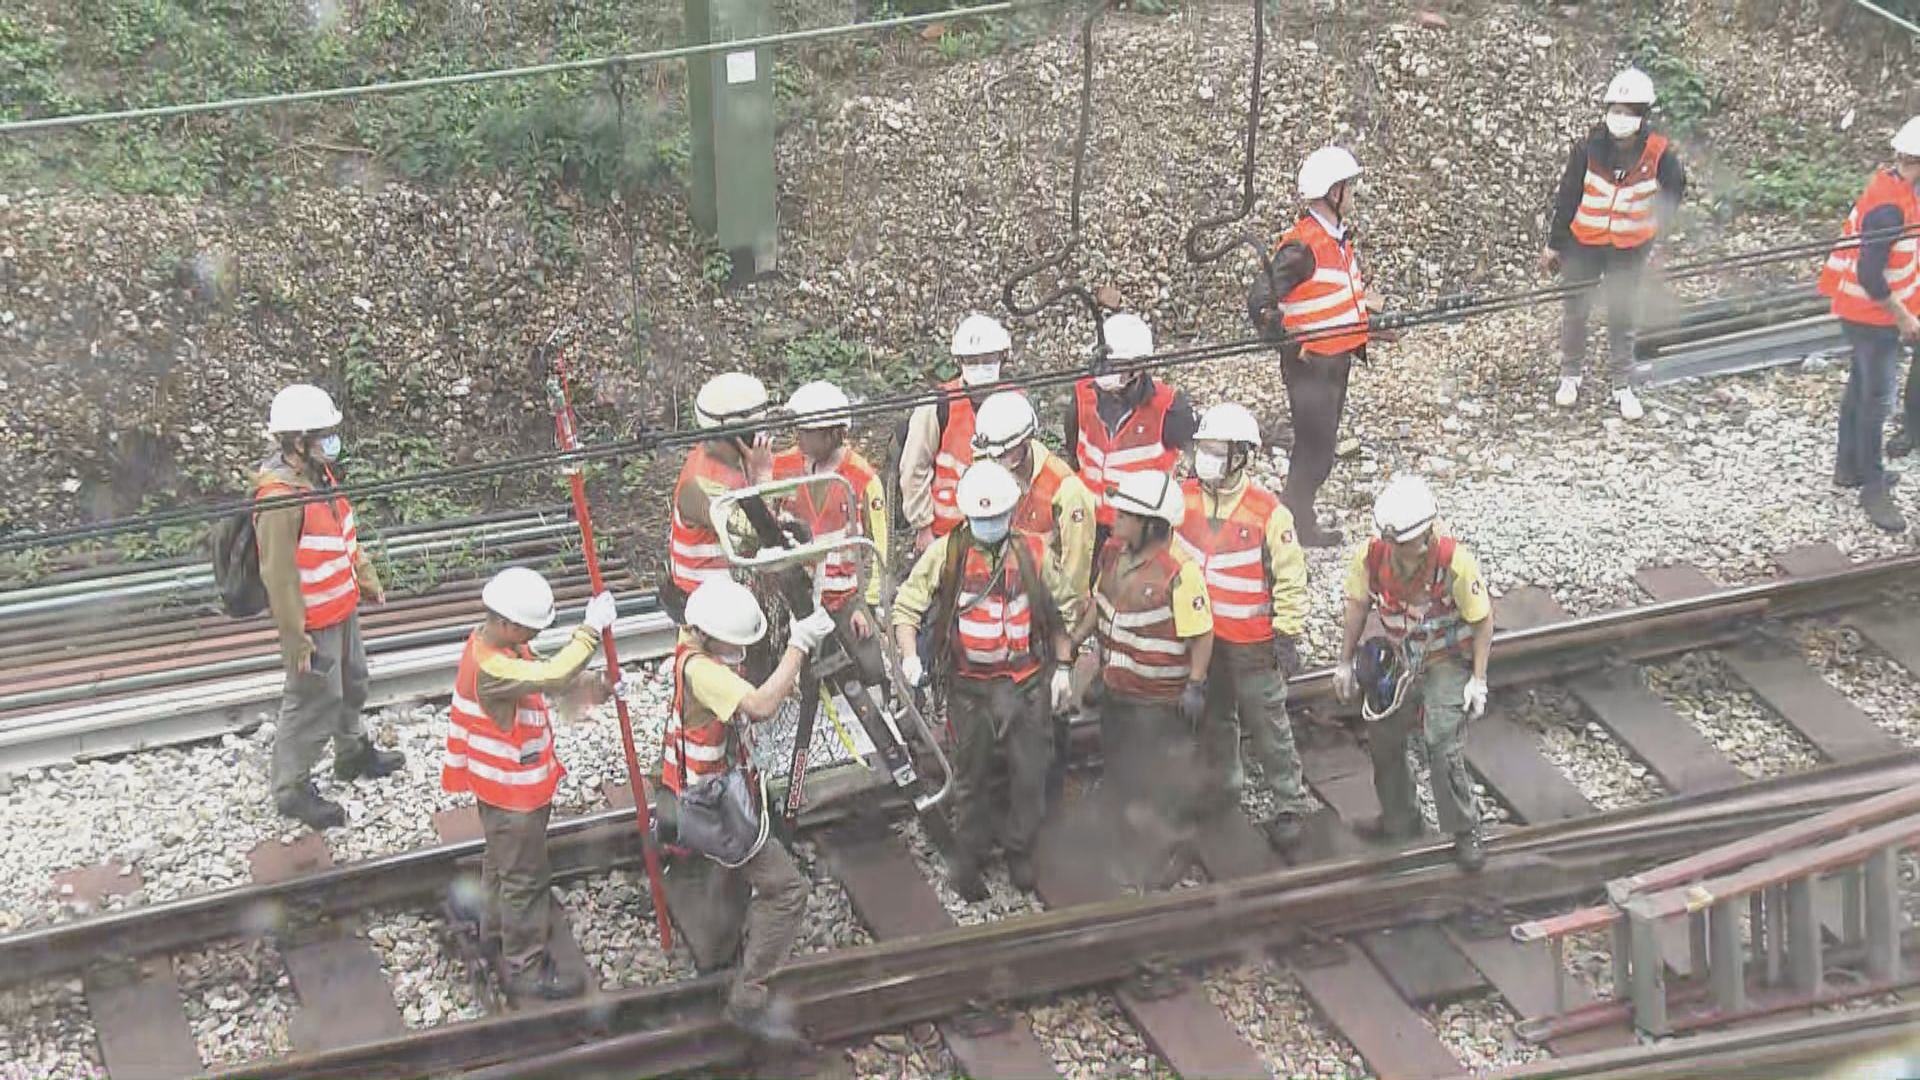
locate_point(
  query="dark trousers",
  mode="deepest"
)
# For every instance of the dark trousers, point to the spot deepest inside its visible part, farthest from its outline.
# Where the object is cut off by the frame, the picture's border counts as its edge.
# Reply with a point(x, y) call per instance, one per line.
point(1618, 273)
point(759, 904)
point(321, 705)
point(1316, 399)
point(517, 878)
point(1003, 746)
point(1149, 784)
point(1872, 379)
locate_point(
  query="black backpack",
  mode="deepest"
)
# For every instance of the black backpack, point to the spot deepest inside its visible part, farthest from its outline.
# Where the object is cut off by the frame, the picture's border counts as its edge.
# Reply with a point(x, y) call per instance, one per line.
point(236, 565)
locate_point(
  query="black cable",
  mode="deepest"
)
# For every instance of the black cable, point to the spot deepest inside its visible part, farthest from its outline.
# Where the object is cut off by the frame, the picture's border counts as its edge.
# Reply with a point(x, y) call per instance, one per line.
point(1447, 309)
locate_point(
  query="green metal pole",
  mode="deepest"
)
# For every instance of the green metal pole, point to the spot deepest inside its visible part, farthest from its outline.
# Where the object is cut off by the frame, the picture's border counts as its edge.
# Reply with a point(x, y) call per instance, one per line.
point(730, 108)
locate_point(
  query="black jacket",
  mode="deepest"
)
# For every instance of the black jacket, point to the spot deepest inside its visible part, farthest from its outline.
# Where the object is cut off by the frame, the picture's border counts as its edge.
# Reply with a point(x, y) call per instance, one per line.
point(1599, 146)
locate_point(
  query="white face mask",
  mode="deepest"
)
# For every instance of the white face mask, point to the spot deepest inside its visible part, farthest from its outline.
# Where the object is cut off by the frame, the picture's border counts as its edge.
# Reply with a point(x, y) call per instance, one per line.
point(992, 530)
point(329, 448)
point(979, 374)
point(1621, 125)
point(732, 657)
point(1209, 467)
point(1111, 383)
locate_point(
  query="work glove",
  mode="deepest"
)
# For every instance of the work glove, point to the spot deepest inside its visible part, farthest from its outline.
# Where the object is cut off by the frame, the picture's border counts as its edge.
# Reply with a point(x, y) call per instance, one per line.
point(1345, 685)
point(912, 670)
point(1286, 654)
point(1062, 689)
point(1474, 698)
point(1193, 703)
point(804, 634)
point(601, 611)
point(630, 683)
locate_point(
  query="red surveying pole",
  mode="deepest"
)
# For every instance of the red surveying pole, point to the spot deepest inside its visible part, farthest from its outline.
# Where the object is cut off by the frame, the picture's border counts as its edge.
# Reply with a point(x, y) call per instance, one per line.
point(564, 435)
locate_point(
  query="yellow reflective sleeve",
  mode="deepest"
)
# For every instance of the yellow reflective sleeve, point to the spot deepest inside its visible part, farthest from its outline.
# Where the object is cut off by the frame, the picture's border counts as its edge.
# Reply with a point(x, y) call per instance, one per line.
point(1287, 564)
point(1469, 589)
point(1192, 614)
point(718, 688)
point(1073, 514)
point(915, 594)
point(873, 509)
point(504, 676)
point(1356, 587)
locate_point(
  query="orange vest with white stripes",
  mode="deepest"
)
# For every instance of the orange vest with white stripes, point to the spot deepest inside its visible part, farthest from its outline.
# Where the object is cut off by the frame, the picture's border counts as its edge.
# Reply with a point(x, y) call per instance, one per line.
point(1326, 310)
point(993, 631)
point(1034, 513)
point(511, 770)
point(690, 746)
point(1233, 555)
point(831, 514)
point(1146, 658)
point(1419, 610)
point(1620, 214)
point(951, 459)
point(329, 545)
point(694, 553)
point(1840, 278)
point(1137, 447)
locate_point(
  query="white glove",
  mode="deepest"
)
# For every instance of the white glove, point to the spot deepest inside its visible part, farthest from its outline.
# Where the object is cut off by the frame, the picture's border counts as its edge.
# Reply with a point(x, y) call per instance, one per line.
point(1062, 688)
point(1344, 683)
point(601, 611)
point(1475, 698)
point(804, 634)
point(630, 683)
point(912, 670)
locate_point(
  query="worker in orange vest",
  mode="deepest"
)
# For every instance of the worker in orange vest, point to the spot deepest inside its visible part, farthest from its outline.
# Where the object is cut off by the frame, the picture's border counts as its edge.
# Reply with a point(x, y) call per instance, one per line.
point(500, 750)
point(1621, 187)
point(1874, 282)
point(1313, 281)
point(714, 467)
point(315, 573)
point(937, 446)
point(1242, 537)
point(1125, 421)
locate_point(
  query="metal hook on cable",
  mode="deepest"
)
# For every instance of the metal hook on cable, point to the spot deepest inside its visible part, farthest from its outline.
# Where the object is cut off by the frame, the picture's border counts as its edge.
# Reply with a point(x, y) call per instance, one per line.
point(1195, 253)
point(1077, 291)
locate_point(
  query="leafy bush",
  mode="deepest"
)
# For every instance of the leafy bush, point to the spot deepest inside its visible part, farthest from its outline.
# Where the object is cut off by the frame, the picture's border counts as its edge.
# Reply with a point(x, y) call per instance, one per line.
point(1659, 48)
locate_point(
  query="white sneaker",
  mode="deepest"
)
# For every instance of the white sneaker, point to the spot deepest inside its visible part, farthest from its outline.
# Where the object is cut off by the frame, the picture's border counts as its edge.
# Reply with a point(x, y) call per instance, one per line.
point(1629, 404)
point(1568, 393)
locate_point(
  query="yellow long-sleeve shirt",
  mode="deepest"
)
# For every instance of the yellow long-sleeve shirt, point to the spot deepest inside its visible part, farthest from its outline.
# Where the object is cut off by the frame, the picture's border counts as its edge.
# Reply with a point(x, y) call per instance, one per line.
point(1070, 546)
point(505, 679)
point(1286, 562)
point(915, 595)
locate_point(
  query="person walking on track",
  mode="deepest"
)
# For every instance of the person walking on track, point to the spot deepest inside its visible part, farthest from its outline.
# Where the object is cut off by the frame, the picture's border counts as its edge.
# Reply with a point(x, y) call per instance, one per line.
point(500, 750)
point(315, 573)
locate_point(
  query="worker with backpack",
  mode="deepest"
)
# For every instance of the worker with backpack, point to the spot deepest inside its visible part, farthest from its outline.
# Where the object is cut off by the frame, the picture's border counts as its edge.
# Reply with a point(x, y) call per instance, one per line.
point(936, 445)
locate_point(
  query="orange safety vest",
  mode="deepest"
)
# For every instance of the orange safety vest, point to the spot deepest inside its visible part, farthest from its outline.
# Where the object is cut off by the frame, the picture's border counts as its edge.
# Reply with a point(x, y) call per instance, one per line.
point(1334, 297)
point(1620, 214)
point(1233, 553)
point(1145, 657)
point(1136, 447)
point(1034, 514)
point(513, 771)
point(952, 458)
point(329, 546)
point(1419, 610)
point(700, 749)
point(1840, 278)
point(694, 553)
point(994, 616)
point(830, 515)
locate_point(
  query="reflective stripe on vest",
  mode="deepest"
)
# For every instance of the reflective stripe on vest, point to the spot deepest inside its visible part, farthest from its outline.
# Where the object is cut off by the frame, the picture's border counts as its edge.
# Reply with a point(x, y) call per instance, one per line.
point(1145, 657)
point(1840, 277)
point(1035, 514)
point(694, 550)
point(951, 459)
point(512, 770)
point(1333, 297)
point(1233, 555)
point(829, 515)
point(701, 749)
point(1136, 447)
point(1621, 214)
point(993, 628)
point(1420, 612)
point(329, 546)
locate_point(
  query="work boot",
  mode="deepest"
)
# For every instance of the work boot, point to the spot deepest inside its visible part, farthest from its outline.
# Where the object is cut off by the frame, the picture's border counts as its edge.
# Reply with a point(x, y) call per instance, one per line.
point(1467, 851)
point(1020, 870)
point(545, 982)
point(1900, 444)
point(1385, 830)
point(753, 1010)
point(1841, 479)
point(963, 877)
point(1568, 393)
point(1284, 831)
point(358, 758)
point(307, 807)
point(1629, 403)
point(1877, 501)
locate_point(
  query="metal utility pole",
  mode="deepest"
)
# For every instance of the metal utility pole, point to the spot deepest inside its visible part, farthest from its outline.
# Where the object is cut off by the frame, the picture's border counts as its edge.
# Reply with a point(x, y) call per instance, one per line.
point(730, 108)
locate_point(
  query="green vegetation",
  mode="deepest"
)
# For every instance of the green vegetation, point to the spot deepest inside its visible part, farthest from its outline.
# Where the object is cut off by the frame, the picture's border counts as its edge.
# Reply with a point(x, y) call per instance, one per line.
point(389, 455)
point(1659, 48)
point(1802, 182)
point(853, 366)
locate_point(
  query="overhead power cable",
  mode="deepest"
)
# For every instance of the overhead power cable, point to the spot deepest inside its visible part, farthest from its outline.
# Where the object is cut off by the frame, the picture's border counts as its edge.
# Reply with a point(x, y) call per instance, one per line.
point(1446, 310)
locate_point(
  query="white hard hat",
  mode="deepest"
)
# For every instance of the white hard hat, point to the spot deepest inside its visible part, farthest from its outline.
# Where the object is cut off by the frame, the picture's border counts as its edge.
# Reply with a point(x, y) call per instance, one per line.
point(987, 490)
point(1630, 87)
point(980, 335)
point(520, 596)
point(1324, 168)
point(1149, 494)
point(1128, 336)
point(725, 610)
point(1228, 422)
point(1906, 141)
point(819, 404)
point(729, 398)
point(1405, 509)
point(301, 407)
point(1005, 420)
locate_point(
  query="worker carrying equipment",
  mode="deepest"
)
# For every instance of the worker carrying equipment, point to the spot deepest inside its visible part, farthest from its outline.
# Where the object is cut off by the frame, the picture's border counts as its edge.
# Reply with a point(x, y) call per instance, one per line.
point(937, 445)
point(1125, 421)
point(1427, 590)
point(1242, 538)
point(500, 750)
point(714, 467)
point(980, 614)
point(1622, 184)
point(315, 572)
point(705, 744)
point(1156, 634)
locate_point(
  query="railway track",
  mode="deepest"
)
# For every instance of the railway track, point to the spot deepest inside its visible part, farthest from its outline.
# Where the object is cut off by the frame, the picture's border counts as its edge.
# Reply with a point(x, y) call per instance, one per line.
point(1371, 939)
